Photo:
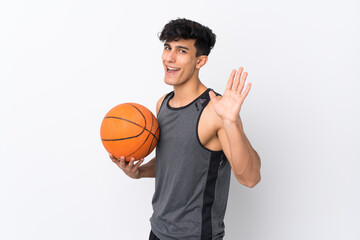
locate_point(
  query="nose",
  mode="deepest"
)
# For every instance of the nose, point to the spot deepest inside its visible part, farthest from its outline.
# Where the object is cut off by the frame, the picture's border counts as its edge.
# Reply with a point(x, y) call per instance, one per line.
point(169, 56)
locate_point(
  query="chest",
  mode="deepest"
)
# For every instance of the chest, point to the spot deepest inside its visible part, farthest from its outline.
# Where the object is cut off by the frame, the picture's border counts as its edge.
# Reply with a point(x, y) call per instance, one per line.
point(188, 127)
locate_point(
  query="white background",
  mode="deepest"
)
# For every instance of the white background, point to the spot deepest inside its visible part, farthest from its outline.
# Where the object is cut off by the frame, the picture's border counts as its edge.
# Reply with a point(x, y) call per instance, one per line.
point(64, 64)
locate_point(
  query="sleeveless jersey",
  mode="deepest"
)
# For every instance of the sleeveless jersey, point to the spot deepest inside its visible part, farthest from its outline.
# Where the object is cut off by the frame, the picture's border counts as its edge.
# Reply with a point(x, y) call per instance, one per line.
point(191, 182)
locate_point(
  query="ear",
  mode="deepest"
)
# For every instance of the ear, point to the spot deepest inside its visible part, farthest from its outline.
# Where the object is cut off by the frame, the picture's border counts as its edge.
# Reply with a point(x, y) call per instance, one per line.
point(201, 61)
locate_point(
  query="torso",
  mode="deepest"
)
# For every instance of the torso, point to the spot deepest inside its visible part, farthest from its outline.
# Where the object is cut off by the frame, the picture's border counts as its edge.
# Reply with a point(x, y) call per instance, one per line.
point(192, 174)
point(209, 126)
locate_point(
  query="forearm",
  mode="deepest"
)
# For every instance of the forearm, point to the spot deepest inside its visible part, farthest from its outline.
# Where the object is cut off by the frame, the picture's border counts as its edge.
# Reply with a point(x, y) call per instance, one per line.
point(147, 170)
point(245, 160)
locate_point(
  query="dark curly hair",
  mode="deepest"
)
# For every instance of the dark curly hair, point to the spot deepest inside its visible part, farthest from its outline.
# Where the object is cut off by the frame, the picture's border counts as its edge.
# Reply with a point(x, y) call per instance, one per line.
point(187, 29)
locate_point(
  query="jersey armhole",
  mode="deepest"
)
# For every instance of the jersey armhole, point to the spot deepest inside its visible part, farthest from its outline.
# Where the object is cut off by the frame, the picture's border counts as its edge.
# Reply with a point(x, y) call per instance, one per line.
point(162, 103)
point(198, 121)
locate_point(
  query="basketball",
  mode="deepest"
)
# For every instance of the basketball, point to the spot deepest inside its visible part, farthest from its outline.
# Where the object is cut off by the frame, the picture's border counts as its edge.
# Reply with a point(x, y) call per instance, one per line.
point(129, 130)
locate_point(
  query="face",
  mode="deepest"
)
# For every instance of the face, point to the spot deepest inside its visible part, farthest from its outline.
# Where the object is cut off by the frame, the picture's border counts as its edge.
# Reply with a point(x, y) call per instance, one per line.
point(180, 61)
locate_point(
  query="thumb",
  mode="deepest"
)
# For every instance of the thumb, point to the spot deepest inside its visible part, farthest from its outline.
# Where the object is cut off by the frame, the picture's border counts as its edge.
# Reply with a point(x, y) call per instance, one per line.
point(213, 97)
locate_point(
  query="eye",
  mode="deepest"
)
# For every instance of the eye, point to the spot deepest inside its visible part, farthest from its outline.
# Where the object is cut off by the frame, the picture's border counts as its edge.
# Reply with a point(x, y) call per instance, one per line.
point(182, 51)
point(167, 48)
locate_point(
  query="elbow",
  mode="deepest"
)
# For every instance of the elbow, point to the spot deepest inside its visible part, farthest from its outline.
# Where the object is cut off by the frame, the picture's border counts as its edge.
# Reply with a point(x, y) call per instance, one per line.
point(251, 176)
point(250, 183)
point(254, 183)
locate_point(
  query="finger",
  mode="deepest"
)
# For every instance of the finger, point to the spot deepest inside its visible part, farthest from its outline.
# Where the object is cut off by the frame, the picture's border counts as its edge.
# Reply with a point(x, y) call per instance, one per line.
point(231, 80)
point(246, 92)
point(131, 163)
point(122, 163)
point(113, 158)
point(139, 163)
point(242, 82)
point(237, 79)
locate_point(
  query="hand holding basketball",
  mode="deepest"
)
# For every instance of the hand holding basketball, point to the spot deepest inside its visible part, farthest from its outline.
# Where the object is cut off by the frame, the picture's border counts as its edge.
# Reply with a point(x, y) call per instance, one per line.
point(129, 168)
point(129, 130)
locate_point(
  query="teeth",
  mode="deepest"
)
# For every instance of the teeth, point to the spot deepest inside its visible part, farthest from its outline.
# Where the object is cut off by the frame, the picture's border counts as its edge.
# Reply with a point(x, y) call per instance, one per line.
point(173, 69)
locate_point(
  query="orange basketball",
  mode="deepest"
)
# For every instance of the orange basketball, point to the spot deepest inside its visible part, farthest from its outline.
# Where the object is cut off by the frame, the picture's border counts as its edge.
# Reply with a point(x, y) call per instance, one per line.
point(129, 130)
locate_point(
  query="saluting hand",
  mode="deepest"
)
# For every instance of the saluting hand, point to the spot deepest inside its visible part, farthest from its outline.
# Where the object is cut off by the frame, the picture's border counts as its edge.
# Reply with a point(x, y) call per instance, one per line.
point(228, 107)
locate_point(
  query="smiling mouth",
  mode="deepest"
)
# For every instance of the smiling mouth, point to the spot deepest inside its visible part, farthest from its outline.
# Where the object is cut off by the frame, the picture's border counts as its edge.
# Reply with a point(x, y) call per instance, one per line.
point(171, 69)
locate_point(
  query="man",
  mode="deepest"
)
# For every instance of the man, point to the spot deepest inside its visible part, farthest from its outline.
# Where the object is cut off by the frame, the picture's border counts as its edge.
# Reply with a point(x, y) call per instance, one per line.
point(201, 140)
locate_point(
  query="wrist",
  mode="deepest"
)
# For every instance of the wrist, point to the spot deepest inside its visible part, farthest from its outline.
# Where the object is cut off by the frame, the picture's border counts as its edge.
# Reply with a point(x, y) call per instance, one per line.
point(232, 122)
point(140, 173)
point(231, 127)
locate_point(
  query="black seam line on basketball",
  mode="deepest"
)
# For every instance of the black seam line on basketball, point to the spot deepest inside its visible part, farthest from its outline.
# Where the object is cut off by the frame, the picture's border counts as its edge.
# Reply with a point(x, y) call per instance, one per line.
point(144, 127)
point(131, 122)
point(143, 117)
point(152, 122)
point(139, 147)
point(119, 139)
point(156, 132)
point(139, 112)
point(154, 137)
point(152, 140)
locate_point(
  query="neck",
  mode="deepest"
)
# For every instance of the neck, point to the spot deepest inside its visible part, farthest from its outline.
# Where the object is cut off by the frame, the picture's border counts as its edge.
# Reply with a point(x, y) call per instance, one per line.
point(186, 93)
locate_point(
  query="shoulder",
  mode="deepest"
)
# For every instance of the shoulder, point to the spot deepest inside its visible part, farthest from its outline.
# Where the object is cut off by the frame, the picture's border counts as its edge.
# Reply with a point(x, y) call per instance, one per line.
point(211, 116)
point(159, 102)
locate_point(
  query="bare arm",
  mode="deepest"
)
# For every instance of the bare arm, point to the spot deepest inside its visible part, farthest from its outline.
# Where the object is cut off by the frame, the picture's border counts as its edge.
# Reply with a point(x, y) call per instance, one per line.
point(244, 160)
point(148, 169)
point(136, 170)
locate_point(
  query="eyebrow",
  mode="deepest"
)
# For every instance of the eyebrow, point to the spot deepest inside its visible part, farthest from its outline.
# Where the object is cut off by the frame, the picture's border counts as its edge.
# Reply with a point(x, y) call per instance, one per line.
point(168, 45)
